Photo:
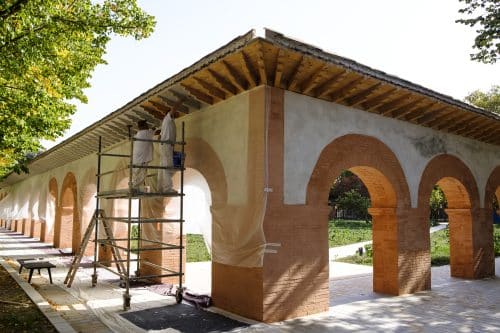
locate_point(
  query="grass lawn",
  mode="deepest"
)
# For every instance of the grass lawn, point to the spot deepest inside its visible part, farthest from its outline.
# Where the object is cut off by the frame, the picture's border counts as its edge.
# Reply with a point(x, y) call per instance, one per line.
point(440, 249)
point(343, 232)
point(196, 250)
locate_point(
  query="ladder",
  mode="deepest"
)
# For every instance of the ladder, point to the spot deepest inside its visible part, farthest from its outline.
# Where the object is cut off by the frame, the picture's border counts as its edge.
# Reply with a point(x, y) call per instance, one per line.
point(98, 215)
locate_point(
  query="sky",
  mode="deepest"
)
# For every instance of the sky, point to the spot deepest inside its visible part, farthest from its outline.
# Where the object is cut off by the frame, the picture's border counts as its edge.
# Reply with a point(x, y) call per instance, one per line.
point(416, 40)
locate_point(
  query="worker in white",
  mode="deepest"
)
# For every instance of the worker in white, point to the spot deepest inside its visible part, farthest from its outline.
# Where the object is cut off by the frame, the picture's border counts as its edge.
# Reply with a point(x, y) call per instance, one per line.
point(143, 153)
point(167, 133)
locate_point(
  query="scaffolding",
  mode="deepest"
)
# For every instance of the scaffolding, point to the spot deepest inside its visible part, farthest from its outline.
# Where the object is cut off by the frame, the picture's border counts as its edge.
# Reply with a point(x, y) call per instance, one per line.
point(123, 266)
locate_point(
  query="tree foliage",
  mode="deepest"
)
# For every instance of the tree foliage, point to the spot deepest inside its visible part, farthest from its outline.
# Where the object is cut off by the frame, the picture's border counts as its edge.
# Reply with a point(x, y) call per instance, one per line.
point(48, 50)
point(437, 204)
point(486, 15)
point(350, 194)
point(487, 100)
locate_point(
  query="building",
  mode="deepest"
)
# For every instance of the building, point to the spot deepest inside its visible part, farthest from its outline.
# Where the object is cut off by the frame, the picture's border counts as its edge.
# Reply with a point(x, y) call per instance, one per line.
point(270, 122)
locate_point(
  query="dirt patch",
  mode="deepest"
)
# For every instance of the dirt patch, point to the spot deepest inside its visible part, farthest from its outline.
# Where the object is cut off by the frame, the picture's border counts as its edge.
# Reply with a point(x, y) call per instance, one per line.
point(17, 312)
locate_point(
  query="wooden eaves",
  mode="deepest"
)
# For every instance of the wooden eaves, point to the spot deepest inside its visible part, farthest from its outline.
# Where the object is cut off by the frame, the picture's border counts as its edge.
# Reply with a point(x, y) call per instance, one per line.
point(275, 60)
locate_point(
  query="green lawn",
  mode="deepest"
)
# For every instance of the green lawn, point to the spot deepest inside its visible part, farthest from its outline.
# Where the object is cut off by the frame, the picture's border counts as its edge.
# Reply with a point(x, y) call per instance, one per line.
point(440, 249)
point(196, 250)
point(343, 232)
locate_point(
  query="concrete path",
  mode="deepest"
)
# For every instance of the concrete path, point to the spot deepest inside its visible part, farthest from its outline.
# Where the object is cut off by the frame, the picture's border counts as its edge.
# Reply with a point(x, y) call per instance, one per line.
point(453, 305)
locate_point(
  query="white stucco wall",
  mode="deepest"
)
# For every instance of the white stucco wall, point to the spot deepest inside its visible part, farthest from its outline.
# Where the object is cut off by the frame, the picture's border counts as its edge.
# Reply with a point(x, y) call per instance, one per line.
point(311, 124)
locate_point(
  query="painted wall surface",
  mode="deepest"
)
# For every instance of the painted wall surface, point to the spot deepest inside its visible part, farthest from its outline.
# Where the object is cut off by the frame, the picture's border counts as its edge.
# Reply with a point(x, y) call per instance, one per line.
point(224, 127)
point(311, 124)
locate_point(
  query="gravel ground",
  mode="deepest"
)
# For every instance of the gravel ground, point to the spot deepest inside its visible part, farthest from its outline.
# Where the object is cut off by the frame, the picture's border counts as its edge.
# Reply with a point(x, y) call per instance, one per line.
point(17, 312)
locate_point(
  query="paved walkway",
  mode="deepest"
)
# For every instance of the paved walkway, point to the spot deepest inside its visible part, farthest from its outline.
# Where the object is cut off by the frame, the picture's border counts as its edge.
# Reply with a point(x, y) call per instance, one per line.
point(453, 305)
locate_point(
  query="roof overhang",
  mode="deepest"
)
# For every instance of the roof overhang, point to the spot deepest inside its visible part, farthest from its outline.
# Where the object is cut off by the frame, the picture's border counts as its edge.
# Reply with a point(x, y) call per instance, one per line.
point(278, 61)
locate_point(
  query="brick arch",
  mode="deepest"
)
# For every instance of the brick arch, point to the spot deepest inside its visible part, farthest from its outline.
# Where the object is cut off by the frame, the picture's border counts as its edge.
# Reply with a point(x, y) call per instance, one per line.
point(67, 230)
point(379, 169)
point(492, 188)
point(201, 157)
point(454, 177)
point(88, 190)
point(47, 230)
point(368, 158)
point(468, 255)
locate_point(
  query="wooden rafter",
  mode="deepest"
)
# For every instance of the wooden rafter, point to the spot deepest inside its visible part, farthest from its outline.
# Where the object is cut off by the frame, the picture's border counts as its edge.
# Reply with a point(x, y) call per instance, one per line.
point(468, 121)
point(211, 89)
point(314, 79)
point(147, 116)
point(480, 123)
point(437, 112)
point(375, 101)
point(261, 64)
point(199, 94)
point(409, 111)
point(326, 87)
point(280, 65)
point(235, 76)
point(393, 104)
point(480, 131)
point(445, 123)
point(362, 95)
point(223, 83)
point(298, 69)
point(345, 90)
point(150, 108)
point(176, 105)
point(192, 103)
point(248, 70)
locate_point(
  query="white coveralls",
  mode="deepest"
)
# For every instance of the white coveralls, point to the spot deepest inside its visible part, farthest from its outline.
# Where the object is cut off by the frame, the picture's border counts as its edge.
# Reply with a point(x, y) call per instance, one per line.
point(168, 133)
point(143, 154)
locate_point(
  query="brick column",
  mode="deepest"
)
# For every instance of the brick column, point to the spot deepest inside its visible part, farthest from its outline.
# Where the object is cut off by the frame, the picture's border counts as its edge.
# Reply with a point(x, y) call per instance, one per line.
point(461, 245)
point(414, 260)
point(385, 250)
point(482, 238)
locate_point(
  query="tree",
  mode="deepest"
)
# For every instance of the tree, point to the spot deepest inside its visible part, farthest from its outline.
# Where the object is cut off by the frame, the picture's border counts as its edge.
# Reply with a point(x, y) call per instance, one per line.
point(489, 101)
point(437, 204)
point(486, 14)
point(350, 194)
point(48, 50)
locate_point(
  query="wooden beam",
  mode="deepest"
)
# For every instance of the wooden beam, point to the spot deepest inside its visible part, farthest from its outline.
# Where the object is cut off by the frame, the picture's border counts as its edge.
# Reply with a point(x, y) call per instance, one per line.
point(176, 105)
point(493, 134)
point(470, 120)
point(362, 95)
point(479, 132)
point(211, 89)
point(451, 122)
point(434, 114)
point(293, 79)
point(482, 121)
point(199, 94)
point(234, 76)
point(394, 104)
point(148, 116)
point(314, 79)
point(159, 106)
point(444, 121)
point(248, 70)
point(409, 111)
point(343, 92)
point(261, 64)
point(150, 109)
point(280, 65)
point(224, 84)
point(326, 87)
point(192, 103)
point(375, 101)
